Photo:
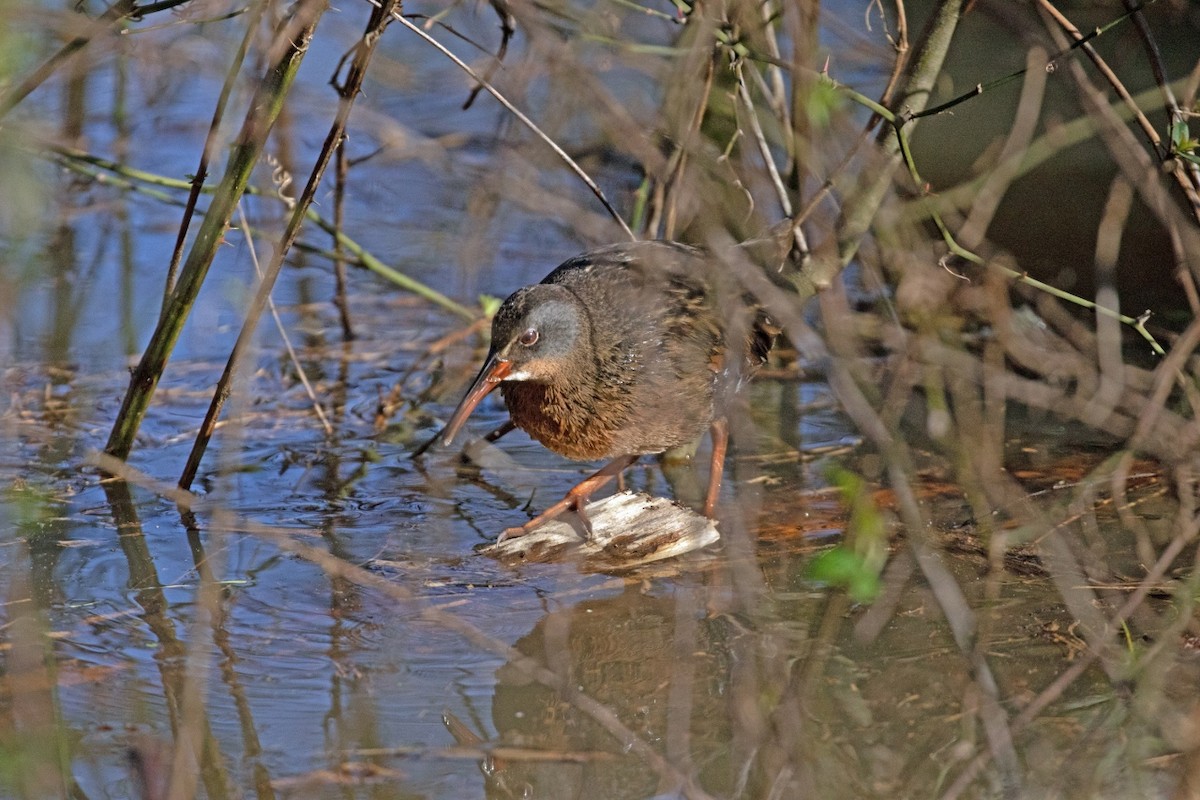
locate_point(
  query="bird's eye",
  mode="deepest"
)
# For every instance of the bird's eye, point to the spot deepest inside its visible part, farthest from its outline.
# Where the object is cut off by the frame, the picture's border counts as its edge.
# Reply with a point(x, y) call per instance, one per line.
point(529, 338)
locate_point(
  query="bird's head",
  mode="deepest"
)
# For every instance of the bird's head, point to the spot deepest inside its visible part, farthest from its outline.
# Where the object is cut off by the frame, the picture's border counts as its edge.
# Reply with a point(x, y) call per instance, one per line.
point(539, 335)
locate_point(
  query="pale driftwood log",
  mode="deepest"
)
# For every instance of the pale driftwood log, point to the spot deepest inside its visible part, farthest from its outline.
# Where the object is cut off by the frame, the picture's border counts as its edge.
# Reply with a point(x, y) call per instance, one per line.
point(628, 530)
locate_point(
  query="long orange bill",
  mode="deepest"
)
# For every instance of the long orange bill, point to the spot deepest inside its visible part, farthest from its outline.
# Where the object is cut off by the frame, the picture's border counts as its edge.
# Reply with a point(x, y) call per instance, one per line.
point(494, 370)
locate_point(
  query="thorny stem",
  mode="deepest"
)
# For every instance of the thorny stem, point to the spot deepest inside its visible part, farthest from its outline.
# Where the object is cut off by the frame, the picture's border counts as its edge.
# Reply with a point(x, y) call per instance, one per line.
point(1162, 153)
point(980, 88)
point(1158, 67)
point(898, 123)
point(1084, 42)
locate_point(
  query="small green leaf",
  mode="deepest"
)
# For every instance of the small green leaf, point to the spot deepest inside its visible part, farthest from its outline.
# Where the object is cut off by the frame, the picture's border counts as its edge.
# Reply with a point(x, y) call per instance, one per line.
point(834, 566)
point(844, 568)
point(29, 506)
point(856, 563)
point(1179, 134)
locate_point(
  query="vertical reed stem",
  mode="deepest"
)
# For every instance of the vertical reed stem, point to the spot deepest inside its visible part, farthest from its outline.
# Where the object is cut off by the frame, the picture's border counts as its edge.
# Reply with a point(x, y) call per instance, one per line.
point(291, 42)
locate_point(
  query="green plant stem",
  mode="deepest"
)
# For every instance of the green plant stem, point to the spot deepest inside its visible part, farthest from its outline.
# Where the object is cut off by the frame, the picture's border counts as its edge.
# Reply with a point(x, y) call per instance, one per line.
point(296, 31)
point(998, 82)
point(1041, 150)
point(862, 205)
point(140, 181)
point(395, 276)
point(1138, 324)
point(348, 92)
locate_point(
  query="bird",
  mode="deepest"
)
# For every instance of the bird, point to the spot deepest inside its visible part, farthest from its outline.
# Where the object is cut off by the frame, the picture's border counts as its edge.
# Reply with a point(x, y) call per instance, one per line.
point(624, 351)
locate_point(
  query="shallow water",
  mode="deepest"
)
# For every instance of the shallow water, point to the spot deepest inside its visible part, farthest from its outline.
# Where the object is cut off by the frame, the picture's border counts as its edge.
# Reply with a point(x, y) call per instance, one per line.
point(133, 627)
point(317, 687)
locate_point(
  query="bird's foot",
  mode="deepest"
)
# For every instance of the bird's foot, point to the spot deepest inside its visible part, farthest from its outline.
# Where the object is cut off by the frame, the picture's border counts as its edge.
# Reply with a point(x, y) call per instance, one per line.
point(576, 502)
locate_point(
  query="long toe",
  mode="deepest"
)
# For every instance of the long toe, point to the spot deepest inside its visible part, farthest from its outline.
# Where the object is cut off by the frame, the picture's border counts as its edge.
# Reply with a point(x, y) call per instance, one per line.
point(511, 533)
point(581, 514)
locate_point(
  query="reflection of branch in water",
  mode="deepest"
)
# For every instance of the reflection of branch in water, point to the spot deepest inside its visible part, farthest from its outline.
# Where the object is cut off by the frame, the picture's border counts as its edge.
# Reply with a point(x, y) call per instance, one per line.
point(336, 567)
point(194, 741)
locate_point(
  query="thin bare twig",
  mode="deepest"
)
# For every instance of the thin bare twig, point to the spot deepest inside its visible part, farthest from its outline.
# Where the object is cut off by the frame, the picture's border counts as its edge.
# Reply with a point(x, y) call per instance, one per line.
point(760, 140)
point(288, 48)
point(283, 334)
point(522, 117)
point(210, 147)
point(1161, 152)
point(110, 20)
point(336, 132)
point(1159, 68)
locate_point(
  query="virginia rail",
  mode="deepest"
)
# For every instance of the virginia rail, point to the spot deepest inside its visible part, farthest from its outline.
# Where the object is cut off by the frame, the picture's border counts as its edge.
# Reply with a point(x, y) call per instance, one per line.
point(621, 352)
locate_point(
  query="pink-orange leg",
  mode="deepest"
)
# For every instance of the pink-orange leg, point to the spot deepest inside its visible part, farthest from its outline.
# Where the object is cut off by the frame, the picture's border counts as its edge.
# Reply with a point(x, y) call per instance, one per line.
point(575, 500)
point(720, 442)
